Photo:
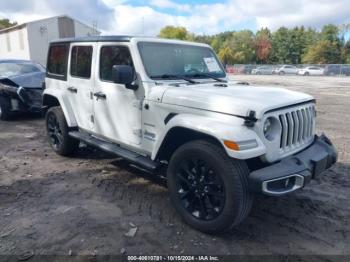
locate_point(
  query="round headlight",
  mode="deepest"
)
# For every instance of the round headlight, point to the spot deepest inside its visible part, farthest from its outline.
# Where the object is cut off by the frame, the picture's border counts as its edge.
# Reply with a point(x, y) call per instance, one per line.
point(270, 128)
point(267, 126)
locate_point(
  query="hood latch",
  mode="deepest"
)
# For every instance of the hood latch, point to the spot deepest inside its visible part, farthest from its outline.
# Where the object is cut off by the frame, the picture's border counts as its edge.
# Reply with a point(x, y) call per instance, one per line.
point(250, 119)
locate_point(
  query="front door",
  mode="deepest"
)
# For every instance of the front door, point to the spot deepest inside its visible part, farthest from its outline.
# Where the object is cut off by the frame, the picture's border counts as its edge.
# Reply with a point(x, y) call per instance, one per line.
point(117, 110)
point(80, 82)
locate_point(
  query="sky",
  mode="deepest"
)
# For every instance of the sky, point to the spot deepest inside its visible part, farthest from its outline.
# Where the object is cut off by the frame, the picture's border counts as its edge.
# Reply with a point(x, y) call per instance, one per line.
point(136, 17)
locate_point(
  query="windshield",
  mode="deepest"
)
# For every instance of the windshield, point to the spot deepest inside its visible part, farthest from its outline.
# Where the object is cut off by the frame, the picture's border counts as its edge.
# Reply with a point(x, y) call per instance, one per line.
point(13, 69)
point(171, 60)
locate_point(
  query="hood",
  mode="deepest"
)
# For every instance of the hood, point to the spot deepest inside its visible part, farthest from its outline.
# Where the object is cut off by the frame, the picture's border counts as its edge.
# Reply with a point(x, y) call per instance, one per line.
point(31, 80)
point(235, 99)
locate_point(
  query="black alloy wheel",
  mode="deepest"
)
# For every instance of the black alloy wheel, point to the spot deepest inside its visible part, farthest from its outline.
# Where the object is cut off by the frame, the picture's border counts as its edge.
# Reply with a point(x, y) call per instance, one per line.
point(54, 131)
point(58, 132)
point(208, 189)
point(200, 189)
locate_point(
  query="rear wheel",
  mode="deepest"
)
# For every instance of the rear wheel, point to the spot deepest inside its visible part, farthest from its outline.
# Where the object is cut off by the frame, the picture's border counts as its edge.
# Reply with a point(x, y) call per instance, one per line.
point(5, 108)
point(208, 189)
point(57, 131)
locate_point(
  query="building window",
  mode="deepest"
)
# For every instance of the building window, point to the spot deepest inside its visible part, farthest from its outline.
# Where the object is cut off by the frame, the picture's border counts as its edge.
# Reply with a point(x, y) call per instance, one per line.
point(57, 61)
point(80, 65)
point(110, 56)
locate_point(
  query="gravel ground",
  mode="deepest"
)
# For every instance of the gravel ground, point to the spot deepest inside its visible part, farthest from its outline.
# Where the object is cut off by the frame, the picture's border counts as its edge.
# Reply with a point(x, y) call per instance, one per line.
point(87, 204)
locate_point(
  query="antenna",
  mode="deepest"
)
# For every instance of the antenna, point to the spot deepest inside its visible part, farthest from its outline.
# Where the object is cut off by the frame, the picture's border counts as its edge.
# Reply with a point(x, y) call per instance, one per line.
point(143, 26)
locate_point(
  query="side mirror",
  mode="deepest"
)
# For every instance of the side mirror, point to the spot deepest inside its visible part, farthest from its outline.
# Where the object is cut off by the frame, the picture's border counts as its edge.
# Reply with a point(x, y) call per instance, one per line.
point(125, 75)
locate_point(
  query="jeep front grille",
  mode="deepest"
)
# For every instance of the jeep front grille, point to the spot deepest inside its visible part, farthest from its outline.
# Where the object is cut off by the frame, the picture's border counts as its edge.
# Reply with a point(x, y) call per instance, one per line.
point(297, 126)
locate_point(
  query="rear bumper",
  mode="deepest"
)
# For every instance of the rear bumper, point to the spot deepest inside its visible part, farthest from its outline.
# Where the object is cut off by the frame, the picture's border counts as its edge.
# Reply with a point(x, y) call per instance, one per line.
point(294, 172)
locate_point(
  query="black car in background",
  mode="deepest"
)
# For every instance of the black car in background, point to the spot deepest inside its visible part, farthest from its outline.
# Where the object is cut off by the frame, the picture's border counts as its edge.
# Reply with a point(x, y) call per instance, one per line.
point(21, 87)
point(330, 70)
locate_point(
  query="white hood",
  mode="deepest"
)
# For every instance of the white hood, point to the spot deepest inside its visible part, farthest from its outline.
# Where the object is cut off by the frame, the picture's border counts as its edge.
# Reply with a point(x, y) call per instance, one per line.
point(234, 99)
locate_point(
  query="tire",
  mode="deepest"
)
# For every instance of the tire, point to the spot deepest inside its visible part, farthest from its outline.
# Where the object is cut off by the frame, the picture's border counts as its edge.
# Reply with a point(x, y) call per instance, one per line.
point(281, 73)
point(306, 74)
point(5, 108)
point(222, 185)
point(57, 132)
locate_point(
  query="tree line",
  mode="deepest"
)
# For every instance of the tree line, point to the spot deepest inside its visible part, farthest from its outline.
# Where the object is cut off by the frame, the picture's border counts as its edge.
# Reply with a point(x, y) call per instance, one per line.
point(5, 23)
point(283, 46)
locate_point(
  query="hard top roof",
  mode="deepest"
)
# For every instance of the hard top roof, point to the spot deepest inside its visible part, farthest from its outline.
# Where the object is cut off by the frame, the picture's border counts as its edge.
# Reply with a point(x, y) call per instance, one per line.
point(109, 38)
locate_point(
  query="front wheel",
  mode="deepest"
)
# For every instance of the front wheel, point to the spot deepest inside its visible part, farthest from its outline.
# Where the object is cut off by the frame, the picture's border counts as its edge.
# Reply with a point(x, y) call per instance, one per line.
point(57, 131)
point(208, 189)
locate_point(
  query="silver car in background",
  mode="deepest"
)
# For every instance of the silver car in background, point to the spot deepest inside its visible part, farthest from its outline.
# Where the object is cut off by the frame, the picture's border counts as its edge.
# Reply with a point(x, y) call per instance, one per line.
point(311, 71)
point(286, 69)
point(263, 70)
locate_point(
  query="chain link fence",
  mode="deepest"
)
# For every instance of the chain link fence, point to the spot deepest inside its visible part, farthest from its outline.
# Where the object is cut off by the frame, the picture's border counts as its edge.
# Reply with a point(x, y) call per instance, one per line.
point(300, 69)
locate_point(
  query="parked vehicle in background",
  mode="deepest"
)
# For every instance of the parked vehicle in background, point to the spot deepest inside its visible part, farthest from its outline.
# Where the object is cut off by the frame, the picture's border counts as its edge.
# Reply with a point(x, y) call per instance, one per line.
point(244, 69)
point(21, 85)
point(330, 70)
point(167, 105)
point(230, 69)
point(311, 71)
point(286, 70)
point(262, 70)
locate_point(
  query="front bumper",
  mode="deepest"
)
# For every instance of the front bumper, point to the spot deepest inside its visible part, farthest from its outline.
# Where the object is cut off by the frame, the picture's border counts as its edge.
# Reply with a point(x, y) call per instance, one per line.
point(295, 171)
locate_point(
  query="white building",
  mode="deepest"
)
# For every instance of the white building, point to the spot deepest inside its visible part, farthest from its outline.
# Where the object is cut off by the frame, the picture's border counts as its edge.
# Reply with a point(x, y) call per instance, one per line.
point(31, 40)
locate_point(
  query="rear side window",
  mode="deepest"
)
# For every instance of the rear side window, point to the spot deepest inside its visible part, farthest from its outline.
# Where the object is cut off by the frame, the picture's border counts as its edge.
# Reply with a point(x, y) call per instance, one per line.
point(110, 56)
point(57, 61)
point(80, 65)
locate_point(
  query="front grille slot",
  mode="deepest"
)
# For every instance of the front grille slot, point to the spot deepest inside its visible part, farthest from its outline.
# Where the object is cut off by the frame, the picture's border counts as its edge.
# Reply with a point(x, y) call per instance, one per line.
point(297, 126)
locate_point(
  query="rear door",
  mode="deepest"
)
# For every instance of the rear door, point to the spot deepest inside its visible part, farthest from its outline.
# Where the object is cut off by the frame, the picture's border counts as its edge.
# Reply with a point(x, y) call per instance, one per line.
point(80, 83)
point(117, 110)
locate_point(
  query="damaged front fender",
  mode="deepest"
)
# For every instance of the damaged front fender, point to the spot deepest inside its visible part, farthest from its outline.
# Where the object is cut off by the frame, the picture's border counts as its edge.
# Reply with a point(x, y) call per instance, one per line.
point(30, 99)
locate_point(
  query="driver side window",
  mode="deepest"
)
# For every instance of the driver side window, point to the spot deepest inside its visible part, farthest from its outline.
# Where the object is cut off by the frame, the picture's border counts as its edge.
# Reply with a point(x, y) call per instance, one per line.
point(110, 56)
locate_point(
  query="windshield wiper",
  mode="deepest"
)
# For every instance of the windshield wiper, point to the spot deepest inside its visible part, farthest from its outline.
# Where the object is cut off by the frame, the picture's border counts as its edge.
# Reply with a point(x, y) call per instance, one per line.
point(165, 76)
point(207, 75)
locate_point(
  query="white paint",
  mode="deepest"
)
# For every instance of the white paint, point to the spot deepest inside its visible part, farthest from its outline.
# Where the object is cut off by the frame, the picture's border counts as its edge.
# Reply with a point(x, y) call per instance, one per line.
point(16, 50)
point(204, 107)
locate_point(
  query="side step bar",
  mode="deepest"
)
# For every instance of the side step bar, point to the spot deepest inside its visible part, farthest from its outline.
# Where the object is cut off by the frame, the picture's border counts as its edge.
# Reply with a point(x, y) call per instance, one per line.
point(114, 149)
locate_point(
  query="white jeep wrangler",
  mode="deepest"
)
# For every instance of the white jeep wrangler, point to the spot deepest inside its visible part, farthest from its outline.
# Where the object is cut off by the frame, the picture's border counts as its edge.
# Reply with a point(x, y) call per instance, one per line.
point(167, 103)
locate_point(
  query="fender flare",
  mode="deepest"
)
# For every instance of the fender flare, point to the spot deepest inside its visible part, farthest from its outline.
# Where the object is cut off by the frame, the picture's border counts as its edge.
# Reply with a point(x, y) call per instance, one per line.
point(215, 128)
point(64, 103)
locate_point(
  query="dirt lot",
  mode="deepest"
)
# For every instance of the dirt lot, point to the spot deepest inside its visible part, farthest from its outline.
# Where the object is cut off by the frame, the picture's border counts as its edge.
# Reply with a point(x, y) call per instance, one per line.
point(86, 204)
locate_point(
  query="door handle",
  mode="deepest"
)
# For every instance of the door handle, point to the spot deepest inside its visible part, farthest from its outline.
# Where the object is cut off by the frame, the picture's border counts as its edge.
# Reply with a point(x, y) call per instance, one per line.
point(100, 95)
point(72, 89)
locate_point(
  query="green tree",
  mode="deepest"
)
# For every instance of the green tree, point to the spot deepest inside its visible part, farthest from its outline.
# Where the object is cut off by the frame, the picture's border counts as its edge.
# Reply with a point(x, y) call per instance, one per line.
point(5, 23)
point(226, 55)
point(284, 46)
point(329, 49)
point(322, 53)
point(216, 44)
point(288, 45)
point(242, 47)
point(174, 32)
